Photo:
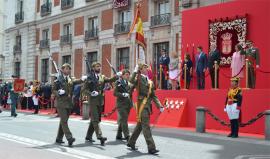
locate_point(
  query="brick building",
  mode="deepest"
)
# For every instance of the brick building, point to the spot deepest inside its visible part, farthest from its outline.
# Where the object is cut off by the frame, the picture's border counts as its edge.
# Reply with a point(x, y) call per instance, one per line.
point(72, 29)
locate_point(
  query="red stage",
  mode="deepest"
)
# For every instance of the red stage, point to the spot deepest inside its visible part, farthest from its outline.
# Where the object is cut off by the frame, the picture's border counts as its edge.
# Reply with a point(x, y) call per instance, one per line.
point(254, 102)
point(196, 30)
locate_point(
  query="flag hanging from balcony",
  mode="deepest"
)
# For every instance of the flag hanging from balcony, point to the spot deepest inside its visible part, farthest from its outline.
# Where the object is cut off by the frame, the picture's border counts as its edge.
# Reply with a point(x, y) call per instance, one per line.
point(139, 34)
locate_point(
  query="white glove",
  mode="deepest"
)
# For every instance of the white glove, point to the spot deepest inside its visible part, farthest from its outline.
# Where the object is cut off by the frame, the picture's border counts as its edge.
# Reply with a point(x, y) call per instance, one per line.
point(94, 93)
point(161, 109)
point(125, 95)
point(61, 92)
point(136, 68)
point(257, 66)
point(119, 74)
point(83, 78)
point(225, 110)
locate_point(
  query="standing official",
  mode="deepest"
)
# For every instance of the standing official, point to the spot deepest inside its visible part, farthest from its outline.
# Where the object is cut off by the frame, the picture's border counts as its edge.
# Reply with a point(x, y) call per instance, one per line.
point(253, 56)
point(213, 56)
point(233, 106)
point(62, 90)
point(164, 62)
point(94, 86)
point(123, 91)
point(201, 66)
point(146, 94)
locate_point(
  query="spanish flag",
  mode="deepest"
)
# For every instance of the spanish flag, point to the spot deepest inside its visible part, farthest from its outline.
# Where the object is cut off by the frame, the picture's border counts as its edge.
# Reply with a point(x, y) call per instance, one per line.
point(139, 29)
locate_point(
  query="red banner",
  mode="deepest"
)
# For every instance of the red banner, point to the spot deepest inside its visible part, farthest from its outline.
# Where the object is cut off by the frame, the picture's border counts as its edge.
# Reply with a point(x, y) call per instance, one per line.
point(225, 34)
point(19, 85)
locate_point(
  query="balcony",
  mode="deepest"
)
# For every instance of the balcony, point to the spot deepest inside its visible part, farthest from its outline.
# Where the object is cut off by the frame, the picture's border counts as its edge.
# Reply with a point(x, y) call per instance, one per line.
point(91, 34)
point(19, 17)
point(89, 0)
point(161, 20)
point(122, 28)
point(66, 39)
point(66, 4)
point(17, 49)
point(46, 9)
point(43, 44)
point(186, 3)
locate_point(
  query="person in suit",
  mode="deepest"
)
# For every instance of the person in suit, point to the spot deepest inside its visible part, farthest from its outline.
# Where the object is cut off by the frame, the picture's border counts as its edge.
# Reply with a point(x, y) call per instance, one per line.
point(201, 67)
point(14, 97)
point(94, 88)
point(62, 90)
point(164, 62)
point(214, 55)
point(189, 64)
point(146, 94)
point(253, 55)
point(123, 91)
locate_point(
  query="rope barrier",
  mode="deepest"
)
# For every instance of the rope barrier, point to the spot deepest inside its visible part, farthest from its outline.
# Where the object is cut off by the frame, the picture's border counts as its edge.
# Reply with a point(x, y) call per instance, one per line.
point(263, 71)
point(234, 75)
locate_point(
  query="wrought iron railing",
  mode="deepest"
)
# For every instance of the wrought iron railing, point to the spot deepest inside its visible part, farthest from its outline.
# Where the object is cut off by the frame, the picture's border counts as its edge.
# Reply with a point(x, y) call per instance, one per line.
point(91, 34)
point(66, 39)
point(19, 17)
point(46, 9)
point(122, 28)
point(162, 19)
point(17, 49)
point(44, 43)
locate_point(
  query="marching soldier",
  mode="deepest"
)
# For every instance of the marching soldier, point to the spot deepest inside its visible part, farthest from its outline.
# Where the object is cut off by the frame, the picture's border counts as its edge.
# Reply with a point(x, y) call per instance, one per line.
point(123, 92)
point(95, 88)
point(233, 106)
point(62, 90)
point(146, 94)
point(253, 56)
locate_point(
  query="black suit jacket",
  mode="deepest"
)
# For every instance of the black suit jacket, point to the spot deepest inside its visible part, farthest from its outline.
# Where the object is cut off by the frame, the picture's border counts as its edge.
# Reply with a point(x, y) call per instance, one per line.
point(212, 57)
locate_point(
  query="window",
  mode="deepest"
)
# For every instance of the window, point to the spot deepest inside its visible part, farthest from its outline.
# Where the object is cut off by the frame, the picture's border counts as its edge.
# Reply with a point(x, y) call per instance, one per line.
point(66, 59)
point(124, 16)
point(92, 23)
point(18, 40)
point(67, 29)
point(44, 70)
point(123, 58)
point(19, 6)
point(92, 57)
point(163, 7)
point(45, 34)
point(17, 69)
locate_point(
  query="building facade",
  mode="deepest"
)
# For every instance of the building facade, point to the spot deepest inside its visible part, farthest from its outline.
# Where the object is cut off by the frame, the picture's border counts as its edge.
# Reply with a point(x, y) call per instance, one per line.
point(72, 30)
point(2, 31)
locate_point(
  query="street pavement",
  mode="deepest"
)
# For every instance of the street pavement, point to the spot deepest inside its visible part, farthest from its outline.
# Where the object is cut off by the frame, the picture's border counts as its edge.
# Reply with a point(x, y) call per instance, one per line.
point(32, 137)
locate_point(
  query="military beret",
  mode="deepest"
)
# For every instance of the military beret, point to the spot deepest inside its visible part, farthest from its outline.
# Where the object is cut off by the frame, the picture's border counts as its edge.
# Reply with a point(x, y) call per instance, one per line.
point(66, 65)
point(96, 63)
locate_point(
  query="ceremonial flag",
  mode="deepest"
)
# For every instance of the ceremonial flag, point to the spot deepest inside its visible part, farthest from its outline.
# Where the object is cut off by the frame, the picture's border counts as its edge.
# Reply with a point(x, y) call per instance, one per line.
point(139, 34)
